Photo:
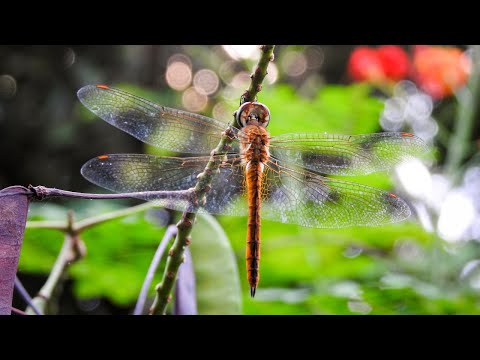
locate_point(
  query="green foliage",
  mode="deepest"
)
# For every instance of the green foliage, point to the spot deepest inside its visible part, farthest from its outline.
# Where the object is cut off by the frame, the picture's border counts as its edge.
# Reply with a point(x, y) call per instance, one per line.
point(119, 254)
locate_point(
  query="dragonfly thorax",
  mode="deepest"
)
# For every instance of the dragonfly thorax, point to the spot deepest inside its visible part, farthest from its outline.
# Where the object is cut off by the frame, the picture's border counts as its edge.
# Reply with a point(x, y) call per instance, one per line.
point(254, 145)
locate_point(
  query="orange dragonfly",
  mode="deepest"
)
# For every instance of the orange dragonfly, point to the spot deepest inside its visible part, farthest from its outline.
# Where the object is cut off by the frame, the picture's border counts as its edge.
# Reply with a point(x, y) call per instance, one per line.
point(279, 176)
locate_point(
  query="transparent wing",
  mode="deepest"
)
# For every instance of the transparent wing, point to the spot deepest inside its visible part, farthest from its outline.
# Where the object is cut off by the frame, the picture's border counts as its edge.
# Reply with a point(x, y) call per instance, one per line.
point(346, 154)
point(166, 128)
point(298, 196)
point(136, 173)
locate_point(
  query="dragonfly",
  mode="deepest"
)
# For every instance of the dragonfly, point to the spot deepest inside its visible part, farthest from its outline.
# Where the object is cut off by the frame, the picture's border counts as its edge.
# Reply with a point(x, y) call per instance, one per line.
point(281, 178)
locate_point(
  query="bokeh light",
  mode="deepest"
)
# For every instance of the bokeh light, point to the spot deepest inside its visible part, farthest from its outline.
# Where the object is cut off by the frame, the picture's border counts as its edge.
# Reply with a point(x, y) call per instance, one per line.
point(231, 93)
point(471, 181)
point(440, 188)
point(69, 58)
point(361, 307)
point(241, 80)
point(294, 63)
point(423, 215)
point(179, 72)
point(456, 215)
point(227, 71)
point(415, 178)
point(405, 88)
point(409, 106)
point(221, 112)
point(8, 86)
point(179, 58)
point(206, 81)
point(240, 52)
point(272, 73)
point(393, 114)
point(194, 101)
point(315, 57)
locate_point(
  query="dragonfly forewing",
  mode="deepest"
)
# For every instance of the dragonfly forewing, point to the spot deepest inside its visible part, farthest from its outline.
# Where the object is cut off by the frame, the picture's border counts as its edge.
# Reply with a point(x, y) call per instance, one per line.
point(157, 125)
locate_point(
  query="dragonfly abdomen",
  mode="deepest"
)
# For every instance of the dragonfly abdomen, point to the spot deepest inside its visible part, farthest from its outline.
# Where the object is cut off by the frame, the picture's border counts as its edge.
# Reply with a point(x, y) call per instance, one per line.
point(254, 184)
point(255, 155)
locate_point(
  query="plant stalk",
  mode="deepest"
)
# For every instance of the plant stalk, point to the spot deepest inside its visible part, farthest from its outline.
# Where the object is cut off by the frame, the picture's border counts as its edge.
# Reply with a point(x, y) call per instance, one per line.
point(183, 239)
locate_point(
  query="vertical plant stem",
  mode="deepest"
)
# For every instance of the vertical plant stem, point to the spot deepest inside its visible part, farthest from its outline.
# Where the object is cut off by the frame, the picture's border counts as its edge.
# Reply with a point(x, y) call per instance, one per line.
point(460, 142)
point(259, 74)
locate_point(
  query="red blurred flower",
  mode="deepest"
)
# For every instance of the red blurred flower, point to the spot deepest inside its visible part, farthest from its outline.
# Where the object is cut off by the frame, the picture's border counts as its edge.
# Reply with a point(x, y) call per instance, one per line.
point(395, 62)
point(439, 71)
point(365, 65)
point(388, 62)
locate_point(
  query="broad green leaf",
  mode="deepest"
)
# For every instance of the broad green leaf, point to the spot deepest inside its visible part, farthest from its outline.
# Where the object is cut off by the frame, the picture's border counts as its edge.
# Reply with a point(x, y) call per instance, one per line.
point(216, 273)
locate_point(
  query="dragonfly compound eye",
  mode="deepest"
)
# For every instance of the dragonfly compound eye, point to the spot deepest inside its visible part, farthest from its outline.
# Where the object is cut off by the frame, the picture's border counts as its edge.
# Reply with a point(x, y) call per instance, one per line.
point(253, 113)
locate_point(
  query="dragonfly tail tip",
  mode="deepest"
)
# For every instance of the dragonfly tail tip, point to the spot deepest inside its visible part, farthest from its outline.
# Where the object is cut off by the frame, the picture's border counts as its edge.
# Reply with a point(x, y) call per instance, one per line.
point(252, 291)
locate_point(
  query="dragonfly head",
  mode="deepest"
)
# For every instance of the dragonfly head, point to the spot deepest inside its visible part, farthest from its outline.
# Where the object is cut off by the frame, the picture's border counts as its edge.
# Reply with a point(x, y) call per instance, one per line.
point(253, 113)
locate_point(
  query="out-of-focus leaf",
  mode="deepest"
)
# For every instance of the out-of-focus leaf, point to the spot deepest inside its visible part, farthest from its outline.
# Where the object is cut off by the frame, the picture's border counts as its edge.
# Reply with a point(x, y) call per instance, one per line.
point(217, 279)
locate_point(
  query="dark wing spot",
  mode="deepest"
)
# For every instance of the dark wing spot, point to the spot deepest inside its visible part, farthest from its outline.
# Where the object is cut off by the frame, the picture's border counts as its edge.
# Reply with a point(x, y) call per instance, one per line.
point(326, 161)
point(398, 207)
point(333, 196)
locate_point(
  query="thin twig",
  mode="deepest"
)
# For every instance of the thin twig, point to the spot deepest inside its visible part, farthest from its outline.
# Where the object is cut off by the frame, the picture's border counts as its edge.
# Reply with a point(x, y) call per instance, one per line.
point(171, 232)
point(81, 225)
point(25, 296)
point(42, 192)
point(47, 224)
point(72, 250)
point(183, 239)
point(95, 220)
point(460, 144)
point(259, 74)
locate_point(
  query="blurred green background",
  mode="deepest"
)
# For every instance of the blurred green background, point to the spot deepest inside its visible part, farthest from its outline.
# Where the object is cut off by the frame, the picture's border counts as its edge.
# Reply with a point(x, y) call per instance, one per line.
point(429, 264)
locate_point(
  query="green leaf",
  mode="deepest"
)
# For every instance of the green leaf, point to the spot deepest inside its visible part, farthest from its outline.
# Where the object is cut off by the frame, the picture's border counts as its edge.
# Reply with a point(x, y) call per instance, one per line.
point(216, 273)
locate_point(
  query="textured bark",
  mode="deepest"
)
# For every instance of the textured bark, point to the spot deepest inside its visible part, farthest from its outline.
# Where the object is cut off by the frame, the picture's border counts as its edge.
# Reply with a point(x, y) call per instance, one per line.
point(13, 216)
